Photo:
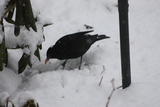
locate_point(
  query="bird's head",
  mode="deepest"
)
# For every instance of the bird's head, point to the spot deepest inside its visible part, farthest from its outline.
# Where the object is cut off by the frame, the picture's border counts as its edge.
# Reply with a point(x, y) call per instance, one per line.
point(49, 53)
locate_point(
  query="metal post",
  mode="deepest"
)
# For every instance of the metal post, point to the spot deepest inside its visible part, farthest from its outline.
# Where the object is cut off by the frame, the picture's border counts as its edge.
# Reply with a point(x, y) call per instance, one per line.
point(124, 42)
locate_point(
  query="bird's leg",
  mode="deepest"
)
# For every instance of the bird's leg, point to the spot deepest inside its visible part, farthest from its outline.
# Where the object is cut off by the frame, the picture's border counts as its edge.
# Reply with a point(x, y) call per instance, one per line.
point(80, 63)
point(64, 63)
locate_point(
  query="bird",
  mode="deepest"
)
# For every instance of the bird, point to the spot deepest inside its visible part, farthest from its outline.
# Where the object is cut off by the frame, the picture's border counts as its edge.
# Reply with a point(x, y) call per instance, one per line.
point(73, 46)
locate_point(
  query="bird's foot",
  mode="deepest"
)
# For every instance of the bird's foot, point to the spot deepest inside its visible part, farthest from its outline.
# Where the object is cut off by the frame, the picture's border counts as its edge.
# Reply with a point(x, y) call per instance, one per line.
point(79, 67)
point(64, 63)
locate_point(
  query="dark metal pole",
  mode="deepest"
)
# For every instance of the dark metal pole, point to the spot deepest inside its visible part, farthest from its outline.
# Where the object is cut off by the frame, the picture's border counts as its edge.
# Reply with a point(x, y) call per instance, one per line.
point(124, 42)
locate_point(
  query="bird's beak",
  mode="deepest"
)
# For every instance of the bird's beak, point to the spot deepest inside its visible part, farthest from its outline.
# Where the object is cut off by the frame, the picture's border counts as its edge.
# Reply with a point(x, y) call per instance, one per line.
point(46, 61)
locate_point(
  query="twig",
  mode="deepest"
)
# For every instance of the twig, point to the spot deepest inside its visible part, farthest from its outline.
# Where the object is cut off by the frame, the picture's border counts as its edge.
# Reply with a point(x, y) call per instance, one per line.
point(109, 98)
point(119, 87)
point(88, 27)
point(100, 81)
point(7, 101)
point(103, 69)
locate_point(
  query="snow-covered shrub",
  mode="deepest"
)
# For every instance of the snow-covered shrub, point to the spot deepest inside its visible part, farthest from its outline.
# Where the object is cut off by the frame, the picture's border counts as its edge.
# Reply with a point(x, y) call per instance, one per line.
point(27, 34)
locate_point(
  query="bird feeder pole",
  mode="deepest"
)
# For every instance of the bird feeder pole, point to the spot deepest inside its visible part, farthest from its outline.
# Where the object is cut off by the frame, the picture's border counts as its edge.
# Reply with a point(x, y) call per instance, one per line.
point(124, 42)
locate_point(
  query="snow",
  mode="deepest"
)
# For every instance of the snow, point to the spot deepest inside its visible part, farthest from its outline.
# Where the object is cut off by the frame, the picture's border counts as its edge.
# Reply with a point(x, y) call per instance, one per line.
point(71, 87)
point(7, 78)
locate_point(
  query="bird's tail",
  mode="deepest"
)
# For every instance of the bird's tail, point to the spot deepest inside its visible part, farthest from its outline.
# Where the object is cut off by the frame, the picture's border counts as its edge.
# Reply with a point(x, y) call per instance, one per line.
point(99, 37)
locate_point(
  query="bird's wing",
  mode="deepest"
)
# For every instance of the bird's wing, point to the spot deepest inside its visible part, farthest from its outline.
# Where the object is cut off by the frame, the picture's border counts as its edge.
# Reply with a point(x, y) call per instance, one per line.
point(71, 38)
point(81, 33)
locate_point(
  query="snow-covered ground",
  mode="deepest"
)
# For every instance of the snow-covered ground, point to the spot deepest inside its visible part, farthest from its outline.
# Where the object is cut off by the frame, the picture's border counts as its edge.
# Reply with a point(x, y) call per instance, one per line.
point(54, 87)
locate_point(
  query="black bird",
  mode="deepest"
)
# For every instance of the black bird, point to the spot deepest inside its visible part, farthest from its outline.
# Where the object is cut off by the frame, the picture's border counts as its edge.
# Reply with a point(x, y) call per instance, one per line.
point(73, 46)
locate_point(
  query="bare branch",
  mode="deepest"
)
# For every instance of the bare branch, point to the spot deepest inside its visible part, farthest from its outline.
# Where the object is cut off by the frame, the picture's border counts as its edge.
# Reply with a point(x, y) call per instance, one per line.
point(88, 27)
point(103, 69)
point(101, 81)
point(109, 98)
point(119, 87)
